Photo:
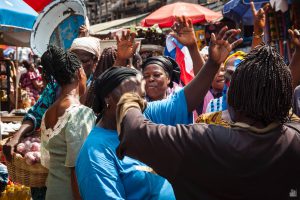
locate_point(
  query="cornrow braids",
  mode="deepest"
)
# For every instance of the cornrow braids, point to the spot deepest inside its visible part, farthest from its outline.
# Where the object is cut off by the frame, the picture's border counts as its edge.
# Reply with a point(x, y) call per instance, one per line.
point(106, 61)
point(59, 65)
point(261, 87)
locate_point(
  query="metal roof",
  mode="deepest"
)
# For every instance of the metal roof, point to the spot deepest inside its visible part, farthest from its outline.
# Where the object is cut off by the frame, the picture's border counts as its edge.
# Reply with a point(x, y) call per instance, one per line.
point(119, 23)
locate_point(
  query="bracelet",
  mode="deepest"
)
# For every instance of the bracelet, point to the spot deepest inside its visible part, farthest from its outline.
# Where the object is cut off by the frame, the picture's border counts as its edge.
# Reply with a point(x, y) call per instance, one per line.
point(258, 36)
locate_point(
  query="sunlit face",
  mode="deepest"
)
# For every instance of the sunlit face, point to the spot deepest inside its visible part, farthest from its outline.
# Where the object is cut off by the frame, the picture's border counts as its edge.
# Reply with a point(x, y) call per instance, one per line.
point(157, 82)
point(88, 61)
point(218, 82)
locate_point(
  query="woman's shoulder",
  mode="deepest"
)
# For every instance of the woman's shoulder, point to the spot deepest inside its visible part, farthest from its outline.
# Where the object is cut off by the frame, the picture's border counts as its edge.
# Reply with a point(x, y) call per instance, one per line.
point(80, 112)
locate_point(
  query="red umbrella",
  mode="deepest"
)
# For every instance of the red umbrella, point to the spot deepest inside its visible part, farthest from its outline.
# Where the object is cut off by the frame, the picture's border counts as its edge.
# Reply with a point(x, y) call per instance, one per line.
point(165, 16)
point(38, 5)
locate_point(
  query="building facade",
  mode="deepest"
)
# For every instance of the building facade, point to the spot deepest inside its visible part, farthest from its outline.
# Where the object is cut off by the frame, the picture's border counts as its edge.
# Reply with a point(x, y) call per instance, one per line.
point(100, 11)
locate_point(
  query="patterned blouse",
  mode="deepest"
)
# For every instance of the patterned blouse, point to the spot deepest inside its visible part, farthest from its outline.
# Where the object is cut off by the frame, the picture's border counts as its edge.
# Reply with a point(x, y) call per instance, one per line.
point(46, 99)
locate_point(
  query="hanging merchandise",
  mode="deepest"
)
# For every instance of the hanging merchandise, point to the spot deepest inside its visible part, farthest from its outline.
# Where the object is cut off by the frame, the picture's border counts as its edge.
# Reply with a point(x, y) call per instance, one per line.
point(276, 30)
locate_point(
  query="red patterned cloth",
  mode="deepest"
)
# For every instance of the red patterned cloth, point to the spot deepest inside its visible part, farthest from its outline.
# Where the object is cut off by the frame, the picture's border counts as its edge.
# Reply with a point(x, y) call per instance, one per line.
point(27, 84)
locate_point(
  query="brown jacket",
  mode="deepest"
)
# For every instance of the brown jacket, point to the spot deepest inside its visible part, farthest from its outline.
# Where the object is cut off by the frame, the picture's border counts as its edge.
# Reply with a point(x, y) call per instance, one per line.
point(213, 162)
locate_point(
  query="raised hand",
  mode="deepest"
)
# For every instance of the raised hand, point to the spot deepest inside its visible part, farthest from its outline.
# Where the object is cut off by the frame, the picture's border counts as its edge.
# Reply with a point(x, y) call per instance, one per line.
point(183, 31)
point(220, 47)
point(83, 31)
point(126, 45)
point(259, 17)
point(295, 61)
point(295, 38)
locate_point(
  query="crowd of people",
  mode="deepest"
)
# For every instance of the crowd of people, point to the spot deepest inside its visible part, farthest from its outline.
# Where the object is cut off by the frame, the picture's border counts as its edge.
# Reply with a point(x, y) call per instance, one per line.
point(111, 131)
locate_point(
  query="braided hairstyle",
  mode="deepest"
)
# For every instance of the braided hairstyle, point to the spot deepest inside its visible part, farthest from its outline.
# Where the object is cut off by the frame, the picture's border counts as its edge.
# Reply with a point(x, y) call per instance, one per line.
point(261, 87)
point(107, 60)
point(59, 65)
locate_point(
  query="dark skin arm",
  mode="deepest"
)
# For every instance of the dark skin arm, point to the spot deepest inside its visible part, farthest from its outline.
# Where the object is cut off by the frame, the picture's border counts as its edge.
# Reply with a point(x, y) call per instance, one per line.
point(259, 18)
point(295, 62)
point(75, 188)
point(83, 31)
point(126, 48)
point(184, 32)
point(9, 147)
point(219, 49)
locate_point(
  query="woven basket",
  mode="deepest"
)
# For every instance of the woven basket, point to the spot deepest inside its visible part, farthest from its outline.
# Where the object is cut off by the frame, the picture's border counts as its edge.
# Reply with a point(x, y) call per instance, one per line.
point(29, 175)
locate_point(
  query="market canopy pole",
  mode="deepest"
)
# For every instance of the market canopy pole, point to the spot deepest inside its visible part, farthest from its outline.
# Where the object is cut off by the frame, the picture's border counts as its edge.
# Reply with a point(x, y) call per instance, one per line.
point(165, 16)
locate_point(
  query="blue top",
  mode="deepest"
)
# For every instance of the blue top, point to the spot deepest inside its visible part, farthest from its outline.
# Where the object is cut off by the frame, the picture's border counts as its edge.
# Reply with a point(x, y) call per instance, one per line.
point(101, 175)
point(170, 111)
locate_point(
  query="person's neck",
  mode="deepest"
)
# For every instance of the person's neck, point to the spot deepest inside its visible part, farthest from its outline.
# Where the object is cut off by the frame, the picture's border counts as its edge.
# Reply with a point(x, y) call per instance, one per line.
point(238, 117)
point(108, 122)
point(158, 98)
point(69, 90)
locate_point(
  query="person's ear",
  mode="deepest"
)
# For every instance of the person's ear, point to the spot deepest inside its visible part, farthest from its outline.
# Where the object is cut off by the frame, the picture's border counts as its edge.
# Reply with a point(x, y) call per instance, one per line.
point(111, 101)
point(168, 79)
point(108, 102)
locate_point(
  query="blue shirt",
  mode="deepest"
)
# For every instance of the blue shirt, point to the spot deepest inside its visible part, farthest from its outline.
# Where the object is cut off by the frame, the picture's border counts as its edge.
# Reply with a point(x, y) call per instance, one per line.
point(170, 111)
point(101, 175)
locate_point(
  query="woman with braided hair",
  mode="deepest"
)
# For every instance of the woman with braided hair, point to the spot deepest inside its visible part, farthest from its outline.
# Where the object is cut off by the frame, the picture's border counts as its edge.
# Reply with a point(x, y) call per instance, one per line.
point(87, 49)
point(65, 124)
point(256, 157)
point(100, 174)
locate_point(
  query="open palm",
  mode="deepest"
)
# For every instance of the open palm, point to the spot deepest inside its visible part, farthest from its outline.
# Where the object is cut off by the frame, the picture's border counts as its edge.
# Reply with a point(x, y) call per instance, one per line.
point(183, 31)
point(126, 45)
point(220, 47)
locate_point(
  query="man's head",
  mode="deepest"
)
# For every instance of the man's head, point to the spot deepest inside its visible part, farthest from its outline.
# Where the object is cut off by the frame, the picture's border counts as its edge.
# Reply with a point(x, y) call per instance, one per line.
point(261, 87)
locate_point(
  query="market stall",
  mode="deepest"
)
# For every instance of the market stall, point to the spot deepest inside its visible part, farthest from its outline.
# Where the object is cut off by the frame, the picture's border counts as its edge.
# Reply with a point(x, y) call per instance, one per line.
point(281, 16)
point(277, 26)
point(165, 16)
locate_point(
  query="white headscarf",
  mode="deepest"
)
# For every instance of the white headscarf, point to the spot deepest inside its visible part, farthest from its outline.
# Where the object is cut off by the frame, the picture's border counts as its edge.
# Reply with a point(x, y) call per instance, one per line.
point(89, 44)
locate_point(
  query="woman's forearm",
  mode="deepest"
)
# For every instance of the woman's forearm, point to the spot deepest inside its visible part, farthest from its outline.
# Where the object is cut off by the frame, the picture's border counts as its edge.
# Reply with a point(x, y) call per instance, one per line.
point(295, 68)
point(196, 90)
point(74, 185)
